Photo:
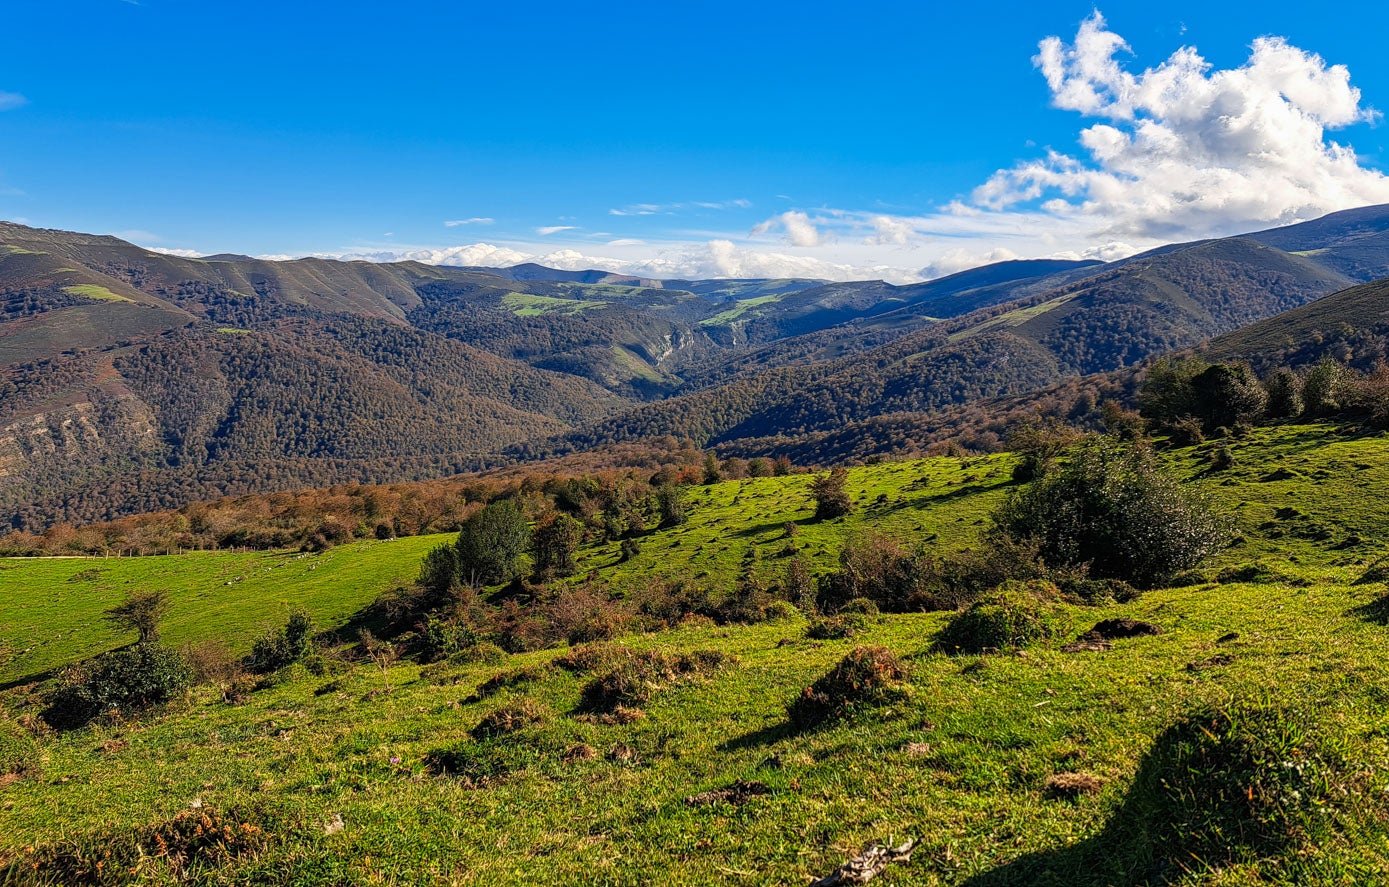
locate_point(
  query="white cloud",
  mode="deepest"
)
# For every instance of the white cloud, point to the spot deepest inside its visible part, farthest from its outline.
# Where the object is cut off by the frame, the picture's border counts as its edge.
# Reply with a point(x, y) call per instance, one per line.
point(651, 209)
point(626, 241)
point(554, 229)
point(11, 100)
point(181, 253)
point(889, 230)
point(454, 223)
point(797, 227)
point(1186, 150)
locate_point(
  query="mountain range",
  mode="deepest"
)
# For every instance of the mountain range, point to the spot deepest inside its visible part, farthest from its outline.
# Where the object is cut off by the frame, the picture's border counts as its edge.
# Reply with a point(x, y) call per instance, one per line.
point(132, 380)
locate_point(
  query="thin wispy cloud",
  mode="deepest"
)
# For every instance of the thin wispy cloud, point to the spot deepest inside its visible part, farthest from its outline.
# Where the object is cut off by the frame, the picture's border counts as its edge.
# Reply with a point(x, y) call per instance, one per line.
point(653, 209)
point(454, 223)
point(11, 100)
point(547, 230)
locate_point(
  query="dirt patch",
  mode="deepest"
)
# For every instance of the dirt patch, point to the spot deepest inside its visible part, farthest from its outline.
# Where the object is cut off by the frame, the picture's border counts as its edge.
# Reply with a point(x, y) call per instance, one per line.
point(1098, 639)
point(580, 752)
point(1213, 662)
point(737, 794)
point(917, 749)
point(1069, 786)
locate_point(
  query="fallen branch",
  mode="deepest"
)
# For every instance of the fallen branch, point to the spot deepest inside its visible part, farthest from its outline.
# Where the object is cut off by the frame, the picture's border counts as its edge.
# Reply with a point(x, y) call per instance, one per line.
point(867, 865)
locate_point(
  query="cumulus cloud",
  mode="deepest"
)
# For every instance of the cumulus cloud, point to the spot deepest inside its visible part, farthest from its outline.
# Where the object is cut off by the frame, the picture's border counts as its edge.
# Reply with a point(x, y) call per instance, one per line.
point(957, 260)
point(797, 228)
point(1185, 149)
point(889, 231)
point(454, 223)
point(11, 100)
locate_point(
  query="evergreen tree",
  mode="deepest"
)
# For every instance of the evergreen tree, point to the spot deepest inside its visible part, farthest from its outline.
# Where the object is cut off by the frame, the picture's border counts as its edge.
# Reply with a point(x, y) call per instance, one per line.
point(490, 544)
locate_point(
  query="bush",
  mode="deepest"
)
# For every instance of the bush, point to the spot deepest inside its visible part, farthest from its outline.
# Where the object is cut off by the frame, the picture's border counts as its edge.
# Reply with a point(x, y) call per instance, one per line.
point(121, 682)
point(780, 611)
point(873, 568)
point(510, 718)
point(481, 652)
point(490, 544)
point(1016, 614)
point(1112, 510)
point(867, 677)
point(860, 606)
point(279, 648)
point(210, 661)
point(835, 628)
point(556, 539)
point(831, 495)
point(441, 638)
point(638, 676)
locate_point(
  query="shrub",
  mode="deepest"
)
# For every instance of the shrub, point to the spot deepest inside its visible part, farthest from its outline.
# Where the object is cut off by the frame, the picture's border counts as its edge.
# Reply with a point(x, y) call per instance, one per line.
point(780, 611)
point(1228, 394)
point(278, 648)
point(1222, 459)
point(867, 677)
point(637, 676)
point(480, 652)
point(834, 628)
point(860, 606)
point(1016, 614)
point(670, 505)
point(874, 568)
point(1112, 510)
point(440, 638)
point(140, 612)
point(210, 661)
point(490, 544)
point(1284, 394)
point(121, 682)
point(831, 495)
point(188, 842)
point(510, 718)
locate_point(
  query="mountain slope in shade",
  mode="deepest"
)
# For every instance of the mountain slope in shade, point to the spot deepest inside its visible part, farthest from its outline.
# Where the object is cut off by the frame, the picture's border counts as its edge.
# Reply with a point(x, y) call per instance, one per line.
point(1354, 242)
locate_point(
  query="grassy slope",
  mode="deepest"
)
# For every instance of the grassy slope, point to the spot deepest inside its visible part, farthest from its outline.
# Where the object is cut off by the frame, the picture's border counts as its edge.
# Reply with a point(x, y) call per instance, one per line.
point(51, 607)
point(989, 729)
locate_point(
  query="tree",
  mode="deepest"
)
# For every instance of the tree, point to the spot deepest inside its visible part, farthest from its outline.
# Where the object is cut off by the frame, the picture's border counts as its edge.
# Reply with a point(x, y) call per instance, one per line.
point(831, 497)
point(1284, 394)
point(1111, 508)
point(670, 505)
point(1227, 394)
point(712, 474)
point(440, 571)
point(1039, 441)
point(1324, 387)
point(140, 611)
point(553, 544)
point(491, 542)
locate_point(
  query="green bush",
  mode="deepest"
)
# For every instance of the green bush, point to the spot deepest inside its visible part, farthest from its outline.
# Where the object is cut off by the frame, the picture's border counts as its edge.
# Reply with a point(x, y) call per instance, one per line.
point(122, 682)
point(490, 544)
point(835, 628)
point(279, 648)
point(441, 638)
point(867, 677)
point(638, 676)
point(1113, 510)
point(480, 652)
point(510, 718)
point(1016, 614)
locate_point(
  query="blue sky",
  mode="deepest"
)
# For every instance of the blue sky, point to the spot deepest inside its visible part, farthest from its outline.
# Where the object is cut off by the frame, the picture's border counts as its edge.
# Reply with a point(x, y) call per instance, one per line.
point(901, 140)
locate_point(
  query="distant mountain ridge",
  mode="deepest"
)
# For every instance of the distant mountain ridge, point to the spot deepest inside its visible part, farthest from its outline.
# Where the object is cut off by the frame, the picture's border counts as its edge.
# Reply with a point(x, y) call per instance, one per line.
point(131, 379)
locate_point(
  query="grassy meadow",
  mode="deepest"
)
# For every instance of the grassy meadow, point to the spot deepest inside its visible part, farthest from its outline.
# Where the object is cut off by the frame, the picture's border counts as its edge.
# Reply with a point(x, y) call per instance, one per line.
point(338, 779)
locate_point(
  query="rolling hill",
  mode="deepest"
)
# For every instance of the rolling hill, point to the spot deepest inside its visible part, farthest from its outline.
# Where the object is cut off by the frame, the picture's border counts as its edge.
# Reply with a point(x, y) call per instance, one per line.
point(229, 373)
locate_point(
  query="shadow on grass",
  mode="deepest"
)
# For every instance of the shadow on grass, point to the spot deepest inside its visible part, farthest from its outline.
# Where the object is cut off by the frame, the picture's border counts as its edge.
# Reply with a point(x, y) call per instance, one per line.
point(1209, 792)
point(1376, 611)
point(768, 735)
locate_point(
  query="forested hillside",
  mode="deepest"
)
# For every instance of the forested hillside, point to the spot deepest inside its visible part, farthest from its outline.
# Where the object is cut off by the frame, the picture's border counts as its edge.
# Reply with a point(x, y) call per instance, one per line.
point(229, 374)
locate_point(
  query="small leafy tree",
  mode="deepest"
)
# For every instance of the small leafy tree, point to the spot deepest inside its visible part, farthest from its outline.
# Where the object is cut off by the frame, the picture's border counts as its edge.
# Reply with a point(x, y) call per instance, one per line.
point(1038, 441)
point(1284, 394)
point(670, 505)
point(556, 539)
point(440, 571)
point(278, 648)
point(1113, 509)
point(1227, 394)
point(712, 472)
point(1323, 388)
point(491, 542)
point(831, 495)
point(141, 612)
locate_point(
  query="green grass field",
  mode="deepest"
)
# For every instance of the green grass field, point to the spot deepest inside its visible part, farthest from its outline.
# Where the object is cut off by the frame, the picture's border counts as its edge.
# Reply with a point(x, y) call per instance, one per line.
point(961, 762)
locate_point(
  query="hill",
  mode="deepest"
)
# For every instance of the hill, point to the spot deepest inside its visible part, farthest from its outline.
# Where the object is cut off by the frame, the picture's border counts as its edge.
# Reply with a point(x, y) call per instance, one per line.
point(1042, 766)
point(1110, 319)
point(230, 374)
